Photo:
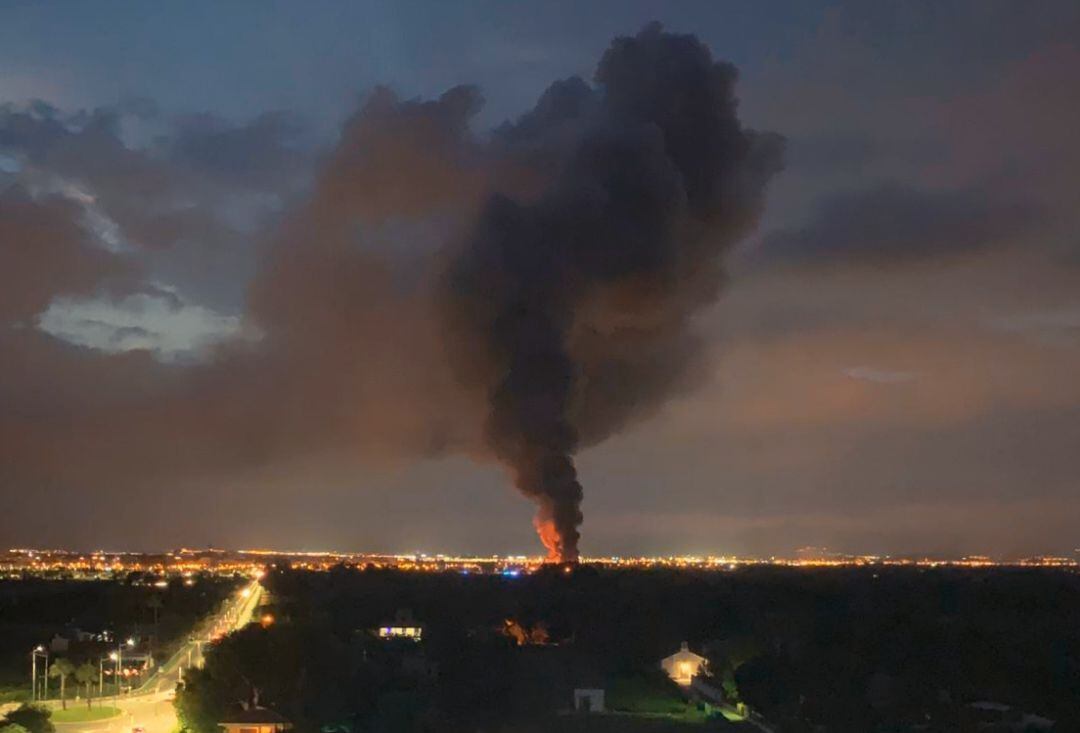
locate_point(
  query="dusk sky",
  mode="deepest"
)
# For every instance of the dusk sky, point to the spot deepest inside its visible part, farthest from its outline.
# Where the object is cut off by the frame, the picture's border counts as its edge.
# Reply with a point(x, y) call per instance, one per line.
point(226, 316)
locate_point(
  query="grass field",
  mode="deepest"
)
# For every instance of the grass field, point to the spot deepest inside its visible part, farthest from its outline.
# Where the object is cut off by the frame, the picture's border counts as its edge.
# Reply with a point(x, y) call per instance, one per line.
point(81, 714)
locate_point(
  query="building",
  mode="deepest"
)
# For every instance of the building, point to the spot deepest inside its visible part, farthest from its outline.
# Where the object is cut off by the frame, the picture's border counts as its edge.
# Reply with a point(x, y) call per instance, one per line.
point(256, 720)
point(683, 665)
point(404, 626)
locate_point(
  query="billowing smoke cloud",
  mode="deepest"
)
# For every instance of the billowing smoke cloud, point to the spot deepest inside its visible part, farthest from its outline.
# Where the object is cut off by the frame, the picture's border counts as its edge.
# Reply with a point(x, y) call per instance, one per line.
point(571, 313)
point(518, 296)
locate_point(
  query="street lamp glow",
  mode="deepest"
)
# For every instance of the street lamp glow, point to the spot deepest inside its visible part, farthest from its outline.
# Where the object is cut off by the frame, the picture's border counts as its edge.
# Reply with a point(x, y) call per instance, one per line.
point(113, 656)
point(131, 642)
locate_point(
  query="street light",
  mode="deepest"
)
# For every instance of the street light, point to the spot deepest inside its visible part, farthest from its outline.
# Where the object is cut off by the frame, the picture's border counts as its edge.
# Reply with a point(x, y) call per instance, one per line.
point(101, 674)
point(37, 651)
point(117, 657)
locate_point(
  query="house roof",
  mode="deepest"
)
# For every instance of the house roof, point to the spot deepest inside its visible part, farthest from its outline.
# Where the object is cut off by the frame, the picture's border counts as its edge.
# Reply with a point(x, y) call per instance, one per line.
point(256, 716)
point(684, 654)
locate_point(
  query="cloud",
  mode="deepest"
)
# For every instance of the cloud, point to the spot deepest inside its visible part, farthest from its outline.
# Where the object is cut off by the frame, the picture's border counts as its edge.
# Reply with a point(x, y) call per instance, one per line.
point(168, 326)
point(256, 154)
point(44, 252)
point(896, 223)
point(166, 186)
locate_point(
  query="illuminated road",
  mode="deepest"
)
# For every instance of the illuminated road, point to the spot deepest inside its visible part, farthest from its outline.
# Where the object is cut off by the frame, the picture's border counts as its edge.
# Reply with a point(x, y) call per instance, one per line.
point(154, 713)
point(150, 706)
point(236, 614)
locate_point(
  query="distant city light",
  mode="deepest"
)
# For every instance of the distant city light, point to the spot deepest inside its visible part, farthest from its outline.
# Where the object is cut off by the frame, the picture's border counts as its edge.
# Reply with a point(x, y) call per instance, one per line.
point(188, 564)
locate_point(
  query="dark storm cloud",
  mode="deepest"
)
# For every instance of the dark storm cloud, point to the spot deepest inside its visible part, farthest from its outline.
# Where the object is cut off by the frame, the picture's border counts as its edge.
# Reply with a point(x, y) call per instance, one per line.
point(44, 252)
point(189, 193)
point(186, 171)
point(257, 154)
point(895, 223)
point(32, 129)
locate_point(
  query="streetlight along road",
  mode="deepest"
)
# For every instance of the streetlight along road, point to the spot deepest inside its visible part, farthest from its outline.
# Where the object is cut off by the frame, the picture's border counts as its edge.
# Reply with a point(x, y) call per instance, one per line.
point(37, 651)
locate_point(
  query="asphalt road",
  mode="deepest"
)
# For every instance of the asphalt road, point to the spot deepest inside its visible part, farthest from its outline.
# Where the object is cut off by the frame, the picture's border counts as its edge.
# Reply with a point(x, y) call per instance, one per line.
point(236, 614)
point(150, 706)
point(153, 713)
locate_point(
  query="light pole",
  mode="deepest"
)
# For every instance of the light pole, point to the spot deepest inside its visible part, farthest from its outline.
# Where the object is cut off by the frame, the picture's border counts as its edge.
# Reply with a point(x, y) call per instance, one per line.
point(34, 654)
point(115, 657)
point(120, 663)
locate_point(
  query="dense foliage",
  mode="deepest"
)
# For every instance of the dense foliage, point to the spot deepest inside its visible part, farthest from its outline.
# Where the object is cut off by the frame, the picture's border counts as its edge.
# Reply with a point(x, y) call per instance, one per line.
point(27, 719)
point(833, 650)
point(33, 610)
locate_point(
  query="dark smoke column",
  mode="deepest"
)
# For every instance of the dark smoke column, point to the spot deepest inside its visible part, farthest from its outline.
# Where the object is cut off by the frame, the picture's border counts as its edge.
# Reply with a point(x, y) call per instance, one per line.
point(570, 312)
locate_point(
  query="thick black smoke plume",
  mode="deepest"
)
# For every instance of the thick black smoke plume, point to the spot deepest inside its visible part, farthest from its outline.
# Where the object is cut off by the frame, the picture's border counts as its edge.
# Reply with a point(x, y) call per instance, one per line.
point(571, 310)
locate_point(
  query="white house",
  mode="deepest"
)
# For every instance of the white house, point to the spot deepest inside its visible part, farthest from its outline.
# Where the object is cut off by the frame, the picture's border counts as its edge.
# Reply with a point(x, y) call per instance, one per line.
point(404, 626)
point(683, 665)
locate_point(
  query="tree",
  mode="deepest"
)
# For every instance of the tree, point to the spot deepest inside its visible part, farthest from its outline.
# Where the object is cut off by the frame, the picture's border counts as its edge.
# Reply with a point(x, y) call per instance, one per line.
point(12, 728)
point(33, 718)
point(85, 675)
point(62, 668)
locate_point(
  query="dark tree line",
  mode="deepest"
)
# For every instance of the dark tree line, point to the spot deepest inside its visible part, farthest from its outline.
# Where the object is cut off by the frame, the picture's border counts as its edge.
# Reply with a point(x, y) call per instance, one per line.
point(835, 650)
point(33, 610)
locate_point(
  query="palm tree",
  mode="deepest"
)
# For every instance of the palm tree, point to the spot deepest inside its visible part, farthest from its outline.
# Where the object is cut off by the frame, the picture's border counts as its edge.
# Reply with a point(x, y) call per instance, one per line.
point(61, 668)
point(85, 675)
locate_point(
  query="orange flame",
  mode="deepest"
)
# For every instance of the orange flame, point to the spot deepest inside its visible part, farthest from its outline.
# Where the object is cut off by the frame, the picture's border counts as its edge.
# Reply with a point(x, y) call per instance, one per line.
point(545, 528)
